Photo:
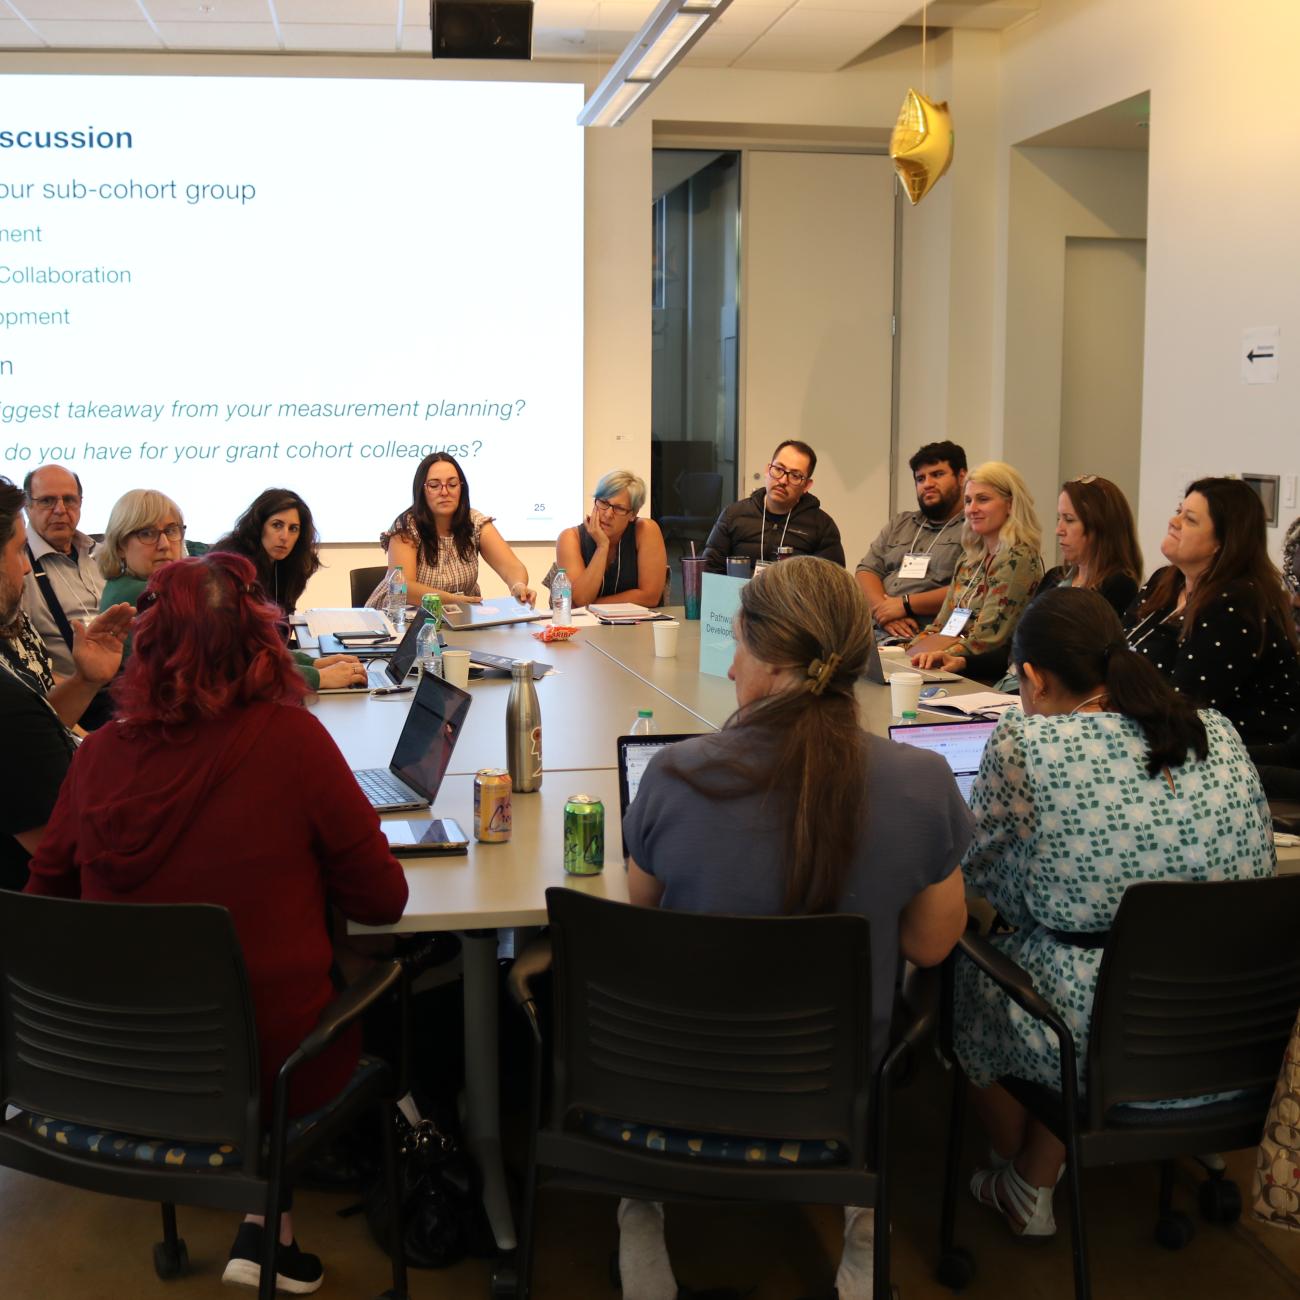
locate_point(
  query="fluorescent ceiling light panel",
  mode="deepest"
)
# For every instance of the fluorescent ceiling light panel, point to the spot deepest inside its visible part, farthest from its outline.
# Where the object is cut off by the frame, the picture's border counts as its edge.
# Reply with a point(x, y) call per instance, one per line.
point(653, 52)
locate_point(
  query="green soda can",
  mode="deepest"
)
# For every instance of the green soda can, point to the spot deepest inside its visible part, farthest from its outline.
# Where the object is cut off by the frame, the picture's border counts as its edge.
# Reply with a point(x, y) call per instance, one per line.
point(432, 605)
point(584, 835)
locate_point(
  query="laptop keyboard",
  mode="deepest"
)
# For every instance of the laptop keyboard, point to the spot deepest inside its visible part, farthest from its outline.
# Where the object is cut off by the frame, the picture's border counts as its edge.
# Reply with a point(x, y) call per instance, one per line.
point(382, 788)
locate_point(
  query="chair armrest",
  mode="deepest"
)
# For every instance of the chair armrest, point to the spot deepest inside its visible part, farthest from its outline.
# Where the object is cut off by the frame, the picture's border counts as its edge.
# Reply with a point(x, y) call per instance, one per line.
point(531, 962)
point(340, 1013)
point(921, 993)
point(1005, 973)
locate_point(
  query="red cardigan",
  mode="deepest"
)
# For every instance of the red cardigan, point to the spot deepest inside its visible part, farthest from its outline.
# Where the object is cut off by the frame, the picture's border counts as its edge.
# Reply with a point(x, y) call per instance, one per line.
point(257, 811)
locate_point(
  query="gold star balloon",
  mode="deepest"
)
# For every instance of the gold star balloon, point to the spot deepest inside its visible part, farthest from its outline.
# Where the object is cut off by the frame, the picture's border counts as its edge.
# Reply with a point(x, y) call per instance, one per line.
point(921, 145)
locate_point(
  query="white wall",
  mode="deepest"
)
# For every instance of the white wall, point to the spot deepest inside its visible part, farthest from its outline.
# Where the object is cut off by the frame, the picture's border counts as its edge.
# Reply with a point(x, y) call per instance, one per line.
point(1223, 212)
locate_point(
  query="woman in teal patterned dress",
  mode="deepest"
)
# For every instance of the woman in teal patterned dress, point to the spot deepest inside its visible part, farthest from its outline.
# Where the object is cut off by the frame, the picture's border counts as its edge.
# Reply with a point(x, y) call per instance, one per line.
point(1107, 777)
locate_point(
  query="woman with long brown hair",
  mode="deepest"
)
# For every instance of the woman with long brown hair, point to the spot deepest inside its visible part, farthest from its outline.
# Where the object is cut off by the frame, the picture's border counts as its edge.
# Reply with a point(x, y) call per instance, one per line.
point(801, 812)
point(1216, 621)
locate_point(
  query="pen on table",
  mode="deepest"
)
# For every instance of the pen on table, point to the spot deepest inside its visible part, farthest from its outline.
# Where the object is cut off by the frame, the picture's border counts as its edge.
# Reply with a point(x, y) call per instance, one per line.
point(390, 690)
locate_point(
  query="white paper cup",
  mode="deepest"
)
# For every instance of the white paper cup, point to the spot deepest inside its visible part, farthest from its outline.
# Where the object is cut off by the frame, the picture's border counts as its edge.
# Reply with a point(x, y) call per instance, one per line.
point(905, 692)
point(455, 667)
point(666, 638)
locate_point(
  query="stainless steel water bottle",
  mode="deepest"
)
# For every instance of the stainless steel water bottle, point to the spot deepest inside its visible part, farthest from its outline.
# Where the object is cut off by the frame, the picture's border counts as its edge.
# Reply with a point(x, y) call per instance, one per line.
point(523, 730)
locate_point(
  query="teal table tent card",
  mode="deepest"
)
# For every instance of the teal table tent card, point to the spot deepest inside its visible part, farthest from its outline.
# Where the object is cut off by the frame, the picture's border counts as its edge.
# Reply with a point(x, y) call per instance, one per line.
point(719, 601)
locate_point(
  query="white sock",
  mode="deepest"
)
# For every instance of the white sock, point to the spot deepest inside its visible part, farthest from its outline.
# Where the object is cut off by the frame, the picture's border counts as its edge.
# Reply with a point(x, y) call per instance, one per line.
point(853, 1280)
point(642, 1252)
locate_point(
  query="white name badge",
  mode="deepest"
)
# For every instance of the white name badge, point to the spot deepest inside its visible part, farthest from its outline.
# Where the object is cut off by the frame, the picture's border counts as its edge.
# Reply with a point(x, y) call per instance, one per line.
point(957, 621)
point(914, 566)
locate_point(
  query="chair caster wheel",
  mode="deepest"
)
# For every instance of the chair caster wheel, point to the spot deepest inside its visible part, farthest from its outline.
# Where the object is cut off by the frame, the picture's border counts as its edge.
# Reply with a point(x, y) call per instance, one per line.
point(168, 1261)
point(955, 1269)
point(1174, 1230)
point(505, 1279)
point(1220, 1200)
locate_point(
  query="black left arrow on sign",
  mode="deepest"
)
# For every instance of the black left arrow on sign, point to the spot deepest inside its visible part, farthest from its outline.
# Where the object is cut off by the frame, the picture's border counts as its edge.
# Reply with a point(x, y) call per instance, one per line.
point(1262, 354)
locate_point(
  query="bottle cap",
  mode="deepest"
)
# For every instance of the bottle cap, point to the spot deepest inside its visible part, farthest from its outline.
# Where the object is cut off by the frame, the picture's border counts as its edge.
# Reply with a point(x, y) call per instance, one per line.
point(645, 713)
point(521, 668)
point(909, 713)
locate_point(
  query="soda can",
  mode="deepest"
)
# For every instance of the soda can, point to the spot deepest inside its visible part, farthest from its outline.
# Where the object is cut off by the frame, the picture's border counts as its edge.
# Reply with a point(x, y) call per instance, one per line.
point(492, 805)
point(584, 835)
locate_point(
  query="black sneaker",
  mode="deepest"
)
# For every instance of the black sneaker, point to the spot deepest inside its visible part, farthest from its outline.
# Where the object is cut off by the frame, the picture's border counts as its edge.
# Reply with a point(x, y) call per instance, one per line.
point(295, 1271)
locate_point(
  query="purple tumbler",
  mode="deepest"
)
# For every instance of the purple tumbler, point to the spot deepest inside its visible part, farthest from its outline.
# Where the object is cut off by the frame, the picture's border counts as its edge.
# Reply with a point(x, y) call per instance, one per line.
point(692, 569)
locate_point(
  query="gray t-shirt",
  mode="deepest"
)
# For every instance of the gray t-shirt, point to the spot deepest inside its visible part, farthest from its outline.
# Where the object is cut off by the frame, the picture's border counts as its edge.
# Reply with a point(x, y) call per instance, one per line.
point(908, 532)
point(724, 855)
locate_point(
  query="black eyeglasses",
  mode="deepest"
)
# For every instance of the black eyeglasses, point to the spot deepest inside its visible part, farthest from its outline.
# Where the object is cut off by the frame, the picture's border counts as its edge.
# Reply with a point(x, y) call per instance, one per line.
point(620, 511)
point(149, 536)
point(778, 472)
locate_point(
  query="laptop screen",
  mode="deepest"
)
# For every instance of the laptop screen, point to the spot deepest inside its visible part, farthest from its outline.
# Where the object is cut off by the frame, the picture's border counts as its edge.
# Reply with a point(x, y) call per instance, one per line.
point(960, 744)
point(429, 735)
point(404, 656)
point(634, 755)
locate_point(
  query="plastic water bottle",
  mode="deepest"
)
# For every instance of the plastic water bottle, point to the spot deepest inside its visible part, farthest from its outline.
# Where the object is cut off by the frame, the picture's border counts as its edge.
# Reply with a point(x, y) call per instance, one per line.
point(428, 649)
point(644, 724)
point(561, 599)
point(395, 599)
point(523, 730)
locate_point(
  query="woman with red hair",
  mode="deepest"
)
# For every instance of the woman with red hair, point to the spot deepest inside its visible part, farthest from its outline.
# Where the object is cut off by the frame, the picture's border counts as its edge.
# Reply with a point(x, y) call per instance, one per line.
point(215, 786)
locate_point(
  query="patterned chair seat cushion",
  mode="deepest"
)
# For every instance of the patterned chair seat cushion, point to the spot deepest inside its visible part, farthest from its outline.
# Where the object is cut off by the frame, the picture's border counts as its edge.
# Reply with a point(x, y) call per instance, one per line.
point(138, 1149)
point(721, 1147)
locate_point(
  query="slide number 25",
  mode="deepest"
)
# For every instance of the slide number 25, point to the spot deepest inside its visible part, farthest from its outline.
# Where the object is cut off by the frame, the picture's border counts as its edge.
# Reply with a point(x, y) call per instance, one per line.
point(539, 508)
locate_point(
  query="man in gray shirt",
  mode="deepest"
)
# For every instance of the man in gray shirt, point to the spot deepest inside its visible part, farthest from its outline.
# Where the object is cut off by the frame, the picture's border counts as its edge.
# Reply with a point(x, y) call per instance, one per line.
point(65, 583)
point(905, 574)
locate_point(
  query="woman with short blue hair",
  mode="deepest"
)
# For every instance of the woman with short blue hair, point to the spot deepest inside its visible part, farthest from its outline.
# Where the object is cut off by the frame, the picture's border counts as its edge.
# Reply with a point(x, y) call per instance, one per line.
point(613, 555)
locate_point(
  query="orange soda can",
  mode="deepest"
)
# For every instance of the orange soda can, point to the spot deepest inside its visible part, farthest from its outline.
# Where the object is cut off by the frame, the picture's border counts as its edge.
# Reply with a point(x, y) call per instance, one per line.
point(492, 805)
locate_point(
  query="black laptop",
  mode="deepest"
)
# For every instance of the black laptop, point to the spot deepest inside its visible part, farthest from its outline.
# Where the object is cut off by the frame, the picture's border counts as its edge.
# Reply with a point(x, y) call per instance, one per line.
point(390, 671)
point(634, 755)
point(424, 748)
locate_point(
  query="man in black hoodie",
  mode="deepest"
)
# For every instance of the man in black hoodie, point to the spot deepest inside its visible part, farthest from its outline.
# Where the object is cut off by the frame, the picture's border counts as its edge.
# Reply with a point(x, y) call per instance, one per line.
point(783, 518)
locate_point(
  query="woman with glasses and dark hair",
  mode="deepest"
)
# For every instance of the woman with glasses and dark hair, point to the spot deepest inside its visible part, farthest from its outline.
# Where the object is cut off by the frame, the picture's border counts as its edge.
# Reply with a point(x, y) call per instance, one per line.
point(613, 555)
point(1216, 622)
point(186, 800)
point(276, 532)
point(438, 540)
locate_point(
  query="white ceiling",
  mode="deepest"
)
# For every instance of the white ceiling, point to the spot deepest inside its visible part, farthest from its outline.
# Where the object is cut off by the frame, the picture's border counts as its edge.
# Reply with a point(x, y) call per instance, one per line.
point(793, 35)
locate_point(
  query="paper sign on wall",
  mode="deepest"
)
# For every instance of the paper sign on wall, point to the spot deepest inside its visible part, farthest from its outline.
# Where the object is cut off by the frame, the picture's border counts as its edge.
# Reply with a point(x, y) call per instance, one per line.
point(1259, 349)
point(719, 601)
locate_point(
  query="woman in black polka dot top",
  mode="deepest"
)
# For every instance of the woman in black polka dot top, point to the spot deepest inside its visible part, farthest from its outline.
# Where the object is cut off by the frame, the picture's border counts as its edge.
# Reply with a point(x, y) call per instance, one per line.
point(1216, 621)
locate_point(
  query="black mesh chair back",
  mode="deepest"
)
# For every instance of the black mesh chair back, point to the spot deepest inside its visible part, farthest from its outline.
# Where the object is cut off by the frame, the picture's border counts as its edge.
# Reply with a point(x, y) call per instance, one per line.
point(753, 1026)
point(161, 1044)
point(364, 581)
point(1197, 991)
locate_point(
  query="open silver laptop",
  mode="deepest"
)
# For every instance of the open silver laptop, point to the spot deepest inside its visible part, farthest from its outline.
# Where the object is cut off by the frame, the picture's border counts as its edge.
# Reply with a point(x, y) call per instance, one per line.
point(496, 612)
point(877, 673)
point(391, 671)
point(423, 750)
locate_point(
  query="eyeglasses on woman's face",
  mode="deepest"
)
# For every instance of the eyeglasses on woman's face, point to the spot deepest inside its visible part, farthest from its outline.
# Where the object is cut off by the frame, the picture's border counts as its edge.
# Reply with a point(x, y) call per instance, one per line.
point(619, 512)
point(437, 486)
point(150, 534)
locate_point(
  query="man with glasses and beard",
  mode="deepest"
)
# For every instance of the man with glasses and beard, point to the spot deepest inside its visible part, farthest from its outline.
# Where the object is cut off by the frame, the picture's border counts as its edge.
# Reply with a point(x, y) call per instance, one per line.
point(781, 519)
point(38, 744)
point(906, 573)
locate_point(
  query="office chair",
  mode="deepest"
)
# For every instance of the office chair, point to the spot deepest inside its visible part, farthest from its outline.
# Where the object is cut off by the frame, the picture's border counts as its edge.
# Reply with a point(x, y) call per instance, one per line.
point(693, 1025)
point(1196, 995)
point(128, 1044)
point(363, 581)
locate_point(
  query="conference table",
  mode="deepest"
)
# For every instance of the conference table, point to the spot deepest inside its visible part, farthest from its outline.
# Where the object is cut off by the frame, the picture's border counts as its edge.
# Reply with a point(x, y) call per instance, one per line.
point(597, 683)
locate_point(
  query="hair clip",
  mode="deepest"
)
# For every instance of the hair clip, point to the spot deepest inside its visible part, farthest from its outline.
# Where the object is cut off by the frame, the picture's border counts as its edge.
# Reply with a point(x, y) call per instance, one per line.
point(822, 671)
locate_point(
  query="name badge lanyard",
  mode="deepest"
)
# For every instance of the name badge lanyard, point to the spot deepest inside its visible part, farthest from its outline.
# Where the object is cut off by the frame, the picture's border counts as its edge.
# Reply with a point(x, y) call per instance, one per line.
point(978, 575)
point(916, 564)
point(1155, 620)
point(762, 537)
point(911, 550)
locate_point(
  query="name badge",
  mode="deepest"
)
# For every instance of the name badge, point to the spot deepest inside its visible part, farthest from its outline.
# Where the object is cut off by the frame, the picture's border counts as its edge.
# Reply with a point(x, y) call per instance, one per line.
point(914, 566)
point(957, 621)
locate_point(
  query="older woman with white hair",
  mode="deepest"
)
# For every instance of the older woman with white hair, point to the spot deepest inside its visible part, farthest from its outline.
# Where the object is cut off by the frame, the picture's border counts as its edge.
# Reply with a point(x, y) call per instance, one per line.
point(145, 531)
point(999, 571)
point(613, 555)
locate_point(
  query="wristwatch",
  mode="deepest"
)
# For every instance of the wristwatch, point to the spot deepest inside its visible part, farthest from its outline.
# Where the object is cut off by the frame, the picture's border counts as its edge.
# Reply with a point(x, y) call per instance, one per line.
point(907, 605)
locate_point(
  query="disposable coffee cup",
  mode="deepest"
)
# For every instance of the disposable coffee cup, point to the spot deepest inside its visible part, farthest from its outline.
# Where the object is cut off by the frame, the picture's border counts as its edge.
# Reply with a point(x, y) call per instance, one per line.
point(666, 638)
point(905, 693)
point(455, 667)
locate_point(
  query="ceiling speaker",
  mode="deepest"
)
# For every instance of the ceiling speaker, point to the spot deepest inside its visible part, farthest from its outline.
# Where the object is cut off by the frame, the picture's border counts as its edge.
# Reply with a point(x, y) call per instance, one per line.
point(482, 29)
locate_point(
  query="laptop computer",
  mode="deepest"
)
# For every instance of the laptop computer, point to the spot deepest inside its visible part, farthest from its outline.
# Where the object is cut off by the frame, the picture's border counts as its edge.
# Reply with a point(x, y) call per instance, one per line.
point(876, 669)
point(496, 612)
point(634, 755)
point(960, 744)
point(430, 733)
point(391, 671)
